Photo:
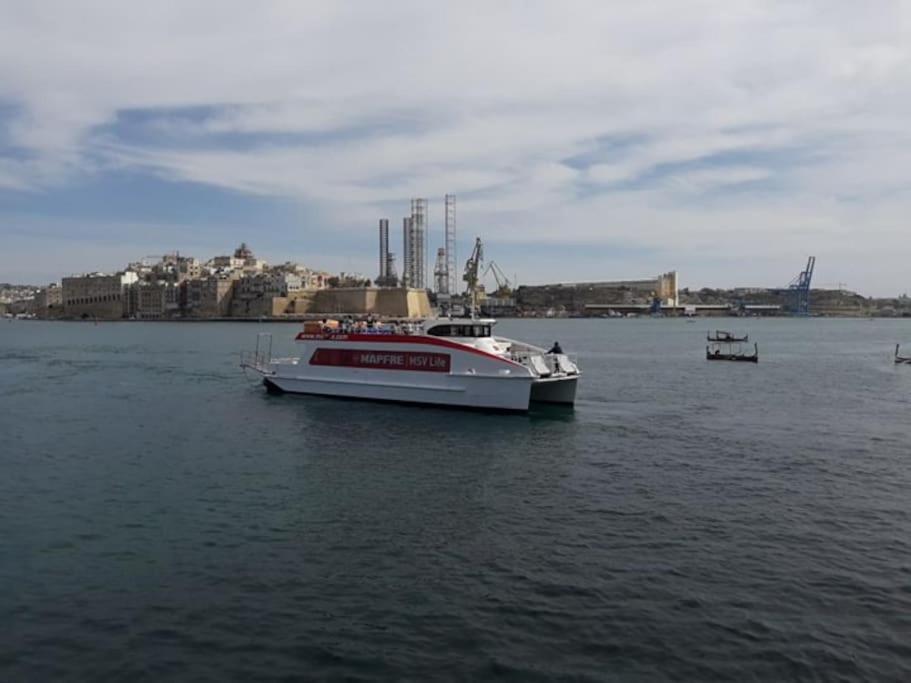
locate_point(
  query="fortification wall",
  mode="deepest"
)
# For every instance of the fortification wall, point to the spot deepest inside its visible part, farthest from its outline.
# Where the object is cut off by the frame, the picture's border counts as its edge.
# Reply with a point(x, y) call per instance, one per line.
point(575, 296)
point(391, 302)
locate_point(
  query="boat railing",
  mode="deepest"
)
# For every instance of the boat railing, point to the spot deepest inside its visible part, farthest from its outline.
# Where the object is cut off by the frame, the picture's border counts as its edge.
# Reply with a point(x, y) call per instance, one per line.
point(260, 357)
point(255, 360)
point(546, 364)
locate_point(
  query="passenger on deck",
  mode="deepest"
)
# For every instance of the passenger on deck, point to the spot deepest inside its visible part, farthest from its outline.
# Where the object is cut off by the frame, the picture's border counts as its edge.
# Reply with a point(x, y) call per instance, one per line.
point(556, 349)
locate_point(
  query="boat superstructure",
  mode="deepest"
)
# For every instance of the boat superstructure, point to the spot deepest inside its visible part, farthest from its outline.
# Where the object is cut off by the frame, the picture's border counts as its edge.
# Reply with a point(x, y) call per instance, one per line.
point(451, 362)
point(725, 337)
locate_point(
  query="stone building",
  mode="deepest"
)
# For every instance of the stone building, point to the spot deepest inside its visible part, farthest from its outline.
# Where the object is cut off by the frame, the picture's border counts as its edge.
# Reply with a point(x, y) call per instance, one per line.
point(189, 268)
point(48, 302)
point(253, 294)
point(154, 300)
point(208, 297)
point(242, 261)
point(97, 295)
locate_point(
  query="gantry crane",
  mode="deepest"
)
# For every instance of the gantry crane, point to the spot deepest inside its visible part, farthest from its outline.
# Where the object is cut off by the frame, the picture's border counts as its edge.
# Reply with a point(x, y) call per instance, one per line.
point(800, 287)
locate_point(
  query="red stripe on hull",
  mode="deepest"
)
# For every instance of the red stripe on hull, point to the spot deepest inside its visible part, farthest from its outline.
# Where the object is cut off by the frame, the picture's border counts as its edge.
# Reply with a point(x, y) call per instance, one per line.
point(409, 361)
point(403, 339)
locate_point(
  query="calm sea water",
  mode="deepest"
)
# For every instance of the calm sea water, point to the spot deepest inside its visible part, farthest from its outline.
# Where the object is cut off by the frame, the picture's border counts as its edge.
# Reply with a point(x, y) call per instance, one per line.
point(163, 518)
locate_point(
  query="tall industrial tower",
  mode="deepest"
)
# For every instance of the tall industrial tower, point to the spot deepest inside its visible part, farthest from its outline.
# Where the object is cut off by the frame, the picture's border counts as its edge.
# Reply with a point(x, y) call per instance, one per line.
point(440, 274)
point(450, 282)
point(414, 241)
point(407, 252)
point(383, 277)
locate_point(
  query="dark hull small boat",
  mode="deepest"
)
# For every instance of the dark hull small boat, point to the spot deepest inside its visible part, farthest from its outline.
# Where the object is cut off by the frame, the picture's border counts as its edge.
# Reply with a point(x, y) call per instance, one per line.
point(899, 359)
point(714, 352)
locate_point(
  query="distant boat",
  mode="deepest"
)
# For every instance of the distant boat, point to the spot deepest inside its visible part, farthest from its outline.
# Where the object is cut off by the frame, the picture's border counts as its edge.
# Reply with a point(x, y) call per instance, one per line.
point(728, 351)
point(899, 359)
point(726, 337)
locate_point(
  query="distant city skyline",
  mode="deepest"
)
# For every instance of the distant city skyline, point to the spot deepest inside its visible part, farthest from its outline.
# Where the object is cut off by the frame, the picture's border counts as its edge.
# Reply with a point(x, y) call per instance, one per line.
point(584, 140)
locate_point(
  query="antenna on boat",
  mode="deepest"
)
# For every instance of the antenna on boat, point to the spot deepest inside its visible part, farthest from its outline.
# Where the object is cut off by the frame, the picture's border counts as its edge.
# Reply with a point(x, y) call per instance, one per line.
point(472, 276)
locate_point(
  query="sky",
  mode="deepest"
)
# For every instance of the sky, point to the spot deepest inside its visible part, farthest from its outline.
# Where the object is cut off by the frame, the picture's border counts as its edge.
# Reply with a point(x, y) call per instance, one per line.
point(725, 139)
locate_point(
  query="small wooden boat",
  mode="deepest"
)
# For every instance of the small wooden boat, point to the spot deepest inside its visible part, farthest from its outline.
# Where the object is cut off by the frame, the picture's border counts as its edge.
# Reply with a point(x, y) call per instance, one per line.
point(899, 359)
point(725, 337)
point(728, 351)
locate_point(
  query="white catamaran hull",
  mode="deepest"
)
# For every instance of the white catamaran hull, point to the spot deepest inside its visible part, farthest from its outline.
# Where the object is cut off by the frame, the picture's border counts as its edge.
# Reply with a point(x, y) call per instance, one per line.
point(556, 390)
point(419, 369)
point(492, 393)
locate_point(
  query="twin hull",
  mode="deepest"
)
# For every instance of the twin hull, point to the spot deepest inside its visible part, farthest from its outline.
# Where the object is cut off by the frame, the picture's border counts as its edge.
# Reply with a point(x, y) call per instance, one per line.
point(421, 370)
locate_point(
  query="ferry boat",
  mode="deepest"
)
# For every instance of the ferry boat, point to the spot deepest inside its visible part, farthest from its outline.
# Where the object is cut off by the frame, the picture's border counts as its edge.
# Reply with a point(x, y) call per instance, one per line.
point(446, 362)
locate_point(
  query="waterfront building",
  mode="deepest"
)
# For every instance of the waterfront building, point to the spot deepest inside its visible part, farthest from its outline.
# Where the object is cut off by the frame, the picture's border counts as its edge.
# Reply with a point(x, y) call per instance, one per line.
point(48, 302)
point(208, 297)
point(97, 295)
point(253, 294)
point(154, 300)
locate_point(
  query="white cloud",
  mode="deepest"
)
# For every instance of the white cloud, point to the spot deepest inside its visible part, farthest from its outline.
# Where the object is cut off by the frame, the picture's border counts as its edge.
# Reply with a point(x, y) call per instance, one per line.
point(350, 107)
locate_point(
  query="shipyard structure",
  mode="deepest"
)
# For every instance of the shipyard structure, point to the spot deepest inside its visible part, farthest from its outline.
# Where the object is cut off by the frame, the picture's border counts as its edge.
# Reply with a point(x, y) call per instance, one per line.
point(415, 251)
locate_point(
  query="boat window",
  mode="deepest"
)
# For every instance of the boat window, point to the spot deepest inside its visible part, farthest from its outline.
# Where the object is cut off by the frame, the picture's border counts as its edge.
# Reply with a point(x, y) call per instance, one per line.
point(459, 331)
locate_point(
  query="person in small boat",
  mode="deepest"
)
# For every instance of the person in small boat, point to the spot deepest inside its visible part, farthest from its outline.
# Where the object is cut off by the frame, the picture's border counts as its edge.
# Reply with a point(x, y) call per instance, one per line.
point(556, 348)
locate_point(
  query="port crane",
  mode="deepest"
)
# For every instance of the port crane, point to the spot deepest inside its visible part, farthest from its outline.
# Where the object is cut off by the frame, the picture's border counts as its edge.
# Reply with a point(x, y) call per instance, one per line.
point(504, 286)
point(800, 288)
point(472, 272)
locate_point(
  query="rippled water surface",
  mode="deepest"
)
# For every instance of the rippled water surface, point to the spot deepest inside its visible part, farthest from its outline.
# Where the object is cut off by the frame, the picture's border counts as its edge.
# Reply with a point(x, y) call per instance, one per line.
point(163, 518)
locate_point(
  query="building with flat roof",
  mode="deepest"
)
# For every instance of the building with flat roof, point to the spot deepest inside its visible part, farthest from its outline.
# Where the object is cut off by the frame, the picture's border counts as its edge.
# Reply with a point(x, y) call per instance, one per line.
point(48, 302)
point(97, 295)
point(209, 297)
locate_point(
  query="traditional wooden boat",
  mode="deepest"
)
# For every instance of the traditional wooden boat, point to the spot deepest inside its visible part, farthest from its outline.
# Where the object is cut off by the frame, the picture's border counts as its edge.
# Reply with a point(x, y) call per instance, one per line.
point(725, 337)
point(731, 351)
point(899, 359)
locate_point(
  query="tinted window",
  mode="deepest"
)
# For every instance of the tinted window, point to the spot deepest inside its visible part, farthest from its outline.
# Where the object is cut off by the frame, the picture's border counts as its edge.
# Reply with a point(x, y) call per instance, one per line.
point(460, 331)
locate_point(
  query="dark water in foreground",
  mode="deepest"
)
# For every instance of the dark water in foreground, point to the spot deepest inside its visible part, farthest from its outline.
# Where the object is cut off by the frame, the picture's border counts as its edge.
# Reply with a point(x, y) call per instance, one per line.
point(162, 518)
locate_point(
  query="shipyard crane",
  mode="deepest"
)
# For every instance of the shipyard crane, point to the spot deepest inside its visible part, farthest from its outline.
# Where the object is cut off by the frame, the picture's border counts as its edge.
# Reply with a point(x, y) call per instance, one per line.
point(800, 288)
point(471, 276)
point(504, 286)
